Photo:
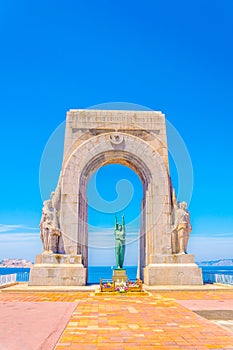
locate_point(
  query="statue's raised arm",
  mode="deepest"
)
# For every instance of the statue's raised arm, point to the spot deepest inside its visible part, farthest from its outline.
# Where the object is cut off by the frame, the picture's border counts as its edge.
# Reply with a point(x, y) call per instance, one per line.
point(115, 222)
point(123, 224)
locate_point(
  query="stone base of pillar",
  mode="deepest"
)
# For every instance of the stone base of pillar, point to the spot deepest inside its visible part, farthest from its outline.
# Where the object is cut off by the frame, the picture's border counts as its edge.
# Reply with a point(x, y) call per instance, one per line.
point(58, 270)
point(172, 270)
point(119, 275)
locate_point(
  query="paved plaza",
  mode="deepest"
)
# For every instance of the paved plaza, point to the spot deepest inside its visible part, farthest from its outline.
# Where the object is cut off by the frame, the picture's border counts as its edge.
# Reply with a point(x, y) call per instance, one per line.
point(158, 320)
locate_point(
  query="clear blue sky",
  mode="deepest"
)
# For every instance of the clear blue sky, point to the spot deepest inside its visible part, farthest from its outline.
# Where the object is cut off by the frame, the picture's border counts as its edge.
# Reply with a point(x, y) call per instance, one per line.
point(173, 56)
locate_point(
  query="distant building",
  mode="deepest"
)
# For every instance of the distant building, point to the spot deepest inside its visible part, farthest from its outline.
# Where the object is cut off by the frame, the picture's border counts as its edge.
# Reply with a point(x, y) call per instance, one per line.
point(16, 263)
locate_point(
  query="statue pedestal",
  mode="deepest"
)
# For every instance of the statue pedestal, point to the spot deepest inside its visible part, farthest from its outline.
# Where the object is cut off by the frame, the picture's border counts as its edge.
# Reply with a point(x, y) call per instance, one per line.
point(175, 269)
point(119, 275)
point(58, 270)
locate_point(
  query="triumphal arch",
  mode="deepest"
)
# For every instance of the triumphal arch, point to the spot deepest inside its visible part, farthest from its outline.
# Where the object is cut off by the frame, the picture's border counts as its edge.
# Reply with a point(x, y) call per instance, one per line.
point(94, 138)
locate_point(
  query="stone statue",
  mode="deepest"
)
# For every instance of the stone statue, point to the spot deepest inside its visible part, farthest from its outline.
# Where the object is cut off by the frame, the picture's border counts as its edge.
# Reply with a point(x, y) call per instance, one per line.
point(119, 233)
point(49, 228)
point(181, 228)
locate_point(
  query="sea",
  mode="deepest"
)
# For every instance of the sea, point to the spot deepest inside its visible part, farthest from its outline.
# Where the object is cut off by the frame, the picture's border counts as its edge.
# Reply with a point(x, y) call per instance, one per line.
point(219, 274)
point(221, 270)
point(22, 273)
point(95, 273)
point(105, 272)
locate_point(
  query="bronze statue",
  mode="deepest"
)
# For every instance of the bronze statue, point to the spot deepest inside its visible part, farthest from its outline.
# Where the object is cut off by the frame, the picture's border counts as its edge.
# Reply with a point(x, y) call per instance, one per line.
point(119, 233)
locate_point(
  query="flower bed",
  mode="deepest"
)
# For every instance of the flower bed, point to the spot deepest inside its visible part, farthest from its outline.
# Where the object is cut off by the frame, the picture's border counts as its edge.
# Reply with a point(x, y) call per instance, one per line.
point(106, 286)
point(135, 286)
point(121, 287)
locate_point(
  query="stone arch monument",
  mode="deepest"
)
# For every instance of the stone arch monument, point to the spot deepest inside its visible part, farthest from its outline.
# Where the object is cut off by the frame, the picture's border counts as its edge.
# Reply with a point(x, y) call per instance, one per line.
point(94, 138)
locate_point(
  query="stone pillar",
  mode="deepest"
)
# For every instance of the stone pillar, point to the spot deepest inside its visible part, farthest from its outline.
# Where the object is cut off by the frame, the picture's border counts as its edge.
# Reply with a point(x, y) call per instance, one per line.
point(173, 270)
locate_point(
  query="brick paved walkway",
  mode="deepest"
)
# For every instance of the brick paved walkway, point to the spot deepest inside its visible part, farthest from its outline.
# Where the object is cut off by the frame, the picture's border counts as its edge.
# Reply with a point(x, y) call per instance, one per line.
point(119, 322)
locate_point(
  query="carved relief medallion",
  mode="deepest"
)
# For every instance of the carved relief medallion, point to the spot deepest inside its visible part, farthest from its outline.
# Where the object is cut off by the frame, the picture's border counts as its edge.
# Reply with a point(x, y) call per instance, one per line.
point(116, 138)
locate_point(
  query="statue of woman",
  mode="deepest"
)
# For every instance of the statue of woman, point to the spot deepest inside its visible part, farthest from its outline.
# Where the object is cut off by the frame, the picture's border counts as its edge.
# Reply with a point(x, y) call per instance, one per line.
point(119, 233)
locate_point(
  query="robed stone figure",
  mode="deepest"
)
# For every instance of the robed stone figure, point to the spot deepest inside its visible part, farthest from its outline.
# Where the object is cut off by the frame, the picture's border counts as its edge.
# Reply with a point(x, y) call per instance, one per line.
point(119, 233)
point(181, 228)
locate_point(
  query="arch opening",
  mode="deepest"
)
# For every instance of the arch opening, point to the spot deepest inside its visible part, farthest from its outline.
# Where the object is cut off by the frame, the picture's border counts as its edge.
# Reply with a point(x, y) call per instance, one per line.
point(137, 165)
point(151, 218)
point(114, 188)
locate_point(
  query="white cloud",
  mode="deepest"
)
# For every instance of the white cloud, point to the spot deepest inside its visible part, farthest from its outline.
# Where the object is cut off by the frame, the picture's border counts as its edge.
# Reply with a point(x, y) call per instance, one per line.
point(211, 247)
point(8, 228)
point(105, 239)
point(24, 242)
point(14, 237)
point(23, 245)
point(106, 257)
point(212, 235)
point(15, 228)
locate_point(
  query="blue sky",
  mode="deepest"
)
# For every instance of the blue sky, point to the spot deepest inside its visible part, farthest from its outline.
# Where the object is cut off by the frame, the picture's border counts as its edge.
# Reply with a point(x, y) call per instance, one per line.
point(170, 56)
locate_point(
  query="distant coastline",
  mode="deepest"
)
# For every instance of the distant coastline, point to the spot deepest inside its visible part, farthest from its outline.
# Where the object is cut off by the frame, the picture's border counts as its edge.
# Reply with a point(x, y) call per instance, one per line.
point(16, 263)
point(220, 262)
point(27, 263)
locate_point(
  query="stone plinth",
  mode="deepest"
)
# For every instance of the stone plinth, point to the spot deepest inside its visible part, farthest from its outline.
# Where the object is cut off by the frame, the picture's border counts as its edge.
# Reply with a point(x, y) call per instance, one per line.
point(172, 259)
point(58, 259)
point(58, 270)
point(173, 270)
point(119, 275)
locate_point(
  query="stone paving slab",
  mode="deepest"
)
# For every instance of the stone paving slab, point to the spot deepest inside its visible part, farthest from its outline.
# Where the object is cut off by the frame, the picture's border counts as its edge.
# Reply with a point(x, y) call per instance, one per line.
point(150, 322)
point(222, 315)
point(156, 321)
point(207, 304)
point(24, 287)
point(32, 325)
point(218, 311)
point(221, 294)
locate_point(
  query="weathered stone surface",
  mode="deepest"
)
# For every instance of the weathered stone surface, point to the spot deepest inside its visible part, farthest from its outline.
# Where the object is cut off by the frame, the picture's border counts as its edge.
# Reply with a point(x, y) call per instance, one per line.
point(173, 259)
point(58, 259)
point(58, 275)
point(119, 275)
point(58, 270)
point(172, 274)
